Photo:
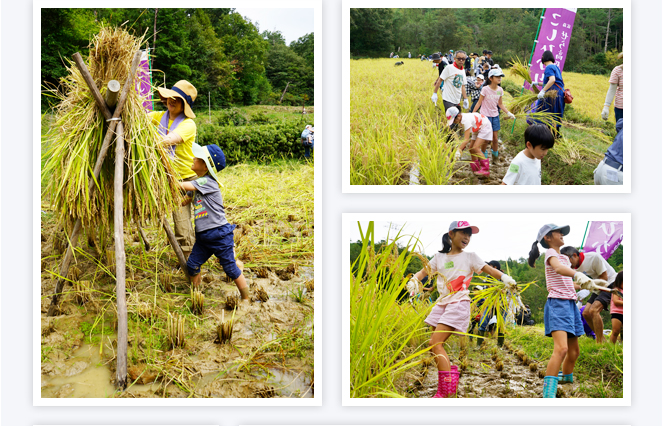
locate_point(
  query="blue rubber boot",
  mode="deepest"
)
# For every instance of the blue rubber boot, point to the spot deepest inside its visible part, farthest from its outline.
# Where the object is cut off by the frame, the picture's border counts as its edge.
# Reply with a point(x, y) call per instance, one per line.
point(550, 386)
point(495, 155)
point(565, 378)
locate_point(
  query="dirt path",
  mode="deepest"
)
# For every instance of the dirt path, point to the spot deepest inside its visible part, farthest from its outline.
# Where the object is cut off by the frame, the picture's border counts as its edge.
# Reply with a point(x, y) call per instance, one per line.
point(480, 377)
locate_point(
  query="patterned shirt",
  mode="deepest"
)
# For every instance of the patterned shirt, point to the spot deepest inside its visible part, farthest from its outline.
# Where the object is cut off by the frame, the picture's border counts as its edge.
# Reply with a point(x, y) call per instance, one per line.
point(559, 286)
point(472, 90)
point(617, 77)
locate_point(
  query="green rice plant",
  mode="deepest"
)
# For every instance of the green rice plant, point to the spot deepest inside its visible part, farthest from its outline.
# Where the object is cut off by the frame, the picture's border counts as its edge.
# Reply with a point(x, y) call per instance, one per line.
point(521, 103)
point(386, 338)
point(436, 151)
point(75, 138)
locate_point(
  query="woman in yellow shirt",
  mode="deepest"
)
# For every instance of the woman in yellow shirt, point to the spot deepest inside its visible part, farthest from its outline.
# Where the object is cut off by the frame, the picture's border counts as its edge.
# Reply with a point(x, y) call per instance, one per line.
point(178, 129)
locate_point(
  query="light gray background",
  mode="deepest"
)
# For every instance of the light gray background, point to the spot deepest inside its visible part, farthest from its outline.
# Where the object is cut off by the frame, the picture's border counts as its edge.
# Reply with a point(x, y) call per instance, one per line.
point(644, 203)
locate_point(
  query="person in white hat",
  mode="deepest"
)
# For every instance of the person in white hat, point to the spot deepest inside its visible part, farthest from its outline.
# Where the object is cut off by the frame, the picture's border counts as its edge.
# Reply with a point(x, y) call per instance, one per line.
point(479, 129)
point(455, 268)
point(178, 130)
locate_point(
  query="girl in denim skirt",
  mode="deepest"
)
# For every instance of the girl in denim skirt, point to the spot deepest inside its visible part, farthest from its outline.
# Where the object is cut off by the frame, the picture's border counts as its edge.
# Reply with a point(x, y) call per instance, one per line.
point(561, 315)
point(454, 269)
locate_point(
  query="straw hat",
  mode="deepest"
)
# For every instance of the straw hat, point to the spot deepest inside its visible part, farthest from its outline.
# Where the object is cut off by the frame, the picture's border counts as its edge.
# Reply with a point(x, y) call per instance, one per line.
point(183, 90)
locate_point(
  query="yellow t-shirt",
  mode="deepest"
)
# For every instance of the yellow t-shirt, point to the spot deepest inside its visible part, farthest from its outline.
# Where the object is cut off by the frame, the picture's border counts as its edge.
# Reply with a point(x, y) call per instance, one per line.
point(181, 156)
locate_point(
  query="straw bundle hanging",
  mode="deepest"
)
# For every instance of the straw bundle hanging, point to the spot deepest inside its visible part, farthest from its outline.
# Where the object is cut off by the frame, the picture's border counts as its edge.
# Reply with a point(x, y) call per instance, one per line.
point(75, 139)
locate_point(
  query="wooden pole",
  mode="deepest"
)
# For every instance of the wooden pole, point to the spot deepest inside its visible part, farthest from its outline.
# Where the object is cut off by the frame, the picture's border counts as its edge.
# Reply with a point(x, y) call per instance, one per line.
point(112, 93)
point(176, 246)
point(73, 239)
point(120, 260)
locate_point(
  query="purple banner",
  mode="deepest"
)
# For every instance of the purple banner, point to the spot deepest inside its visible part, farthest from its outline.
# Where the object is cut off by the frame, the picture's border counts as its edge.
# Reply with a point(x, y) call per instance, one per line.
point(554, 35)
point(143, 84)
point(604, 237)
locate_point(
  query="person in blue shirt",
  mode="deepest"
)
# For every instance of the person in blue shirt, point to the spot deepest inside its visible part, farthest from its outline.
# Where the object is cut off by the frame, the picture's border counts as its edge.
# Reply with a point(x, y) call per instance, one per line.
point(610, 170)
point(307, 140)
point(552, 79)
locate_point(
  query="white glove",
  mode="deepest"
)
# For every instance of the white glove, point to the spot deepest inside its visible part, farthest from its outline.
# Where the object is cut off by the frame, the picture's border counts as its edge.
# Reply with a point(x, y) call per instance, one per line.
point(597, 286)
point(434, 98)
point(511, 284)
point(466, 104)
point(457, 155)
point(413, 286)
point(510, 115)
point(541, 94)
point(606, 112)
point(583, 280)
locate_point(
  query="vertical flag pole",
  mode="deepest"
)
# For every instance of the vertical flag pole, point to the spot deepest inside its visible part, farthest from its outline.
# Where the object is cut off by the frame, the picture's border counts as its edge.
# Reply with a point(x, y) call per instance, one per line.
point(536, 40)
point(582, 245)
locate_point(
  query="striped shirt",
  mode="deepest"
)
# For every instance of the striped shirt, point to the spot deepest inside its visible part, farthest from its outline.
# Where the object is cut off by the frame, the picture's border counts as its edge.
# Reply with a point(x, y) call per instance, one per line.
point(617, 77)
point(559, 286)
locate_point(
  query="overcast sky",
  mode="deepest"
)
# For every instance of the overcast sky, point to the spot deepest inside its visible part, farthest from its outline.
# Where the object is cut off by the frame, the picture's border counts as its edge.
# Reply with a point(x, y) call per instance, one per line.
point(293, 23)
point(497, 239)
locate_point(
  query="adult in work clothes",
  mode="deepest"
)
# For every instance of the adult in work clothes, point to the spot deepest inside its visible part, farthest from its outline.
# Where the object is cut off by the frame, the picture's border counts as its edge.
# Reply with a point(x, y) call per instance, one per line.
point(610, 170)
point(596, 267)
point(454, 80)
point(178, 130)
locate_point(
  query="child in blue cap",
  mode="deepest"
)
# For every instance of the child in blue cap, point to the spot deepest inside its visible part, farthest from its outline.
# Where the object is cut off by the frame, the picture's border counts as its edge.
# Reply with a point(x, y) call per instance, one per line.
point(214, 235)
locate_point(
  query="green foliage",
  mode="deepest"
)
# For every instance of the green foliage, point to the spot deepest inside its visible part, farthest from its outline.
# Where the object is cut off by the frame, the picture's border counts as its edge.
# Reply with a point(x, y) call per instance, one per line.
point(508, 32)
point(220, 52)
point(244, 143)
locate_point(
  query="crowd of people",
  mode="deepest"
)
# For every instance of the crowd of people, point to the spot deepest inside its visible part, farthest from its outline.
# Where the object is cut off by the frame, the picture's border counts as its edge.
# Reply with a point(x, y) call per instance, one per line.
point(471, 90)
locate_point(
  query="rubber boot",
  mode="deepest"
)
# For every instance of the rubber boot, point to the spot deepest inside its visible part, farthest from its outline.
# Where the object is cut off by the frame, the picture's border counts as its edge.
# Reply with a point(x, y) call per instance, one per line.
point(485, 153)
point(474, 165)
point(480, 339)
point(550, 386)
point(565, 378)
point(495, 155)
point(500, 339)
point(442, 377)
point(485, 168)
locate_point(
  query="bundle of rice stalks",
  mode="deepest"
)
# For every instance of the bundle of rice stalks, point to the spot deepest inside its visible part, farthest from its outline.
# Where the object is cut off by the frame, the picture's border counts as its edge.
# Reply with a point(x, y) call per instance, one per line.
point(197, 302)
point(522, 103)
point(225, 330)
point(568, 150)
point(175, 330)
point(497, 299)
point(521, 69)
point(75, 139)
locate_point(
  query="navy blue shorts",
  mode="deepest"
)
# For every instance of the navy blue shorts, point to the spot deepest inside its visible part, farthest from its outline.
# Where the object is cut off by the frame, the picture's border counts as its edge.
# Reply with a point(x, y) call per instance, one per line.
point(562, 315)
point(219, 242)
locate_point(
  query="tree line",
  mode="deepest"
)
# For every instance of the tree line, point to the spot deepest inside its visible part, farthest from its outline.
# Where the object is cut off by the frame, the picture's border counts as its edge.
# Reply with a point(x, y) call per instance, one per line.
point(219, 51)
point(507, 32)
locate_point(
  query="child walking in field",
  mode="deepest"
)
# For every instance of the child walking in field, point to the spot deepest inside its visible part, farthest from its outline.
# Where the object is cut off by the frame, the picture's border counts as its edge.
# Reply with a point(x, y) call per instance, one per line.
point(214, 235)
point(617, 308)
point(489, 101)
point(477, 128)
point(525, 168)
point(560, 315)
point(454, 269)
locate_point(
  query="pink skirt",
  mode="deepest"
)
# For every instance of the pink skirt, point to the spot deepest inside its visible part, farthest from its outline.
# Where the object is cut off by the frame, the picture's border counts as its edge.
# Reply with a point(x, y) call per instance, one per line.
point(455, 315)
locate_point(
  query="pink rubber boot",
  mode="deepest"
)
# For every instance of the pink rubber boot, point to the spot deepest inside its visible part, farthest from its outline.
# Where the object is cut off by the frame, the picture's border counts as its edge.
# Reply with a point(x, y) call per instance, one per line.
point(475, 166)
point(443, 377)
point(484, 170)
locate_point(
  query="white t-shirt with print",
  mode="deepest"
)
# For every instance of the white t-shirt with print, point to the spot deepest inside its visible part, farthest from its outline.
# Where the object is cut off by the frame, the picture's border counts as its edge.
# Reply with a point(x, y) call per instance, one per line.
point(594, 265)
point(456, 273)
point(454, 80)
point(523, 171)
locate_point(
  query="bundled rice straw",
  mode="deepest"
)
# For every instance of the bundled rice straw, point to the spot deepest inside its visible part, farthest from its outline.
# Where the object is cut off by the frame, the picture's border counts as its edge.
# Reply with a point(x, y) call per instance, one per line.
point(498, 300)
point(74, 141)
point(521, 69)
point(522, 103)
